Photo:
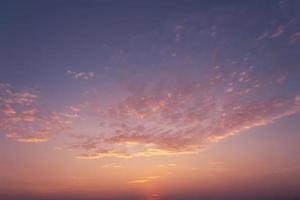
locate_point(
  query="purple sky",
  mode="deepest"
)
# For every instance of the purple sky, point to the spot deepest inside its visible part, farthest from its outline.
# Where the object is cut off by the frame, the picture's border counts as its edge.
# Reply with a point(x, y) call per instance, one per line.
point(160, 91)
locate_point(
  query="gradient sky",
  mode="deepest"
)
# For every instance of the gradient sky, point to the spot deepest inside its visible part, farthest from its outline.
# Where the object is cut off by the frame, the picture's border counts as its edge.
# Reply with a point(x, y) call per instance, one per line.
point(149, 100)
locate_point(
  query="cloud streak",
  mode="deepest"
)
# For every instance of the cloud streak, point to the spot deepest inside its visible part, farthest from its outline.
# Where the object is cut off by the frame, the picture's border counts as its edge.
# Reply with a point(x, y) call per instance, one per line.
point(144, 179)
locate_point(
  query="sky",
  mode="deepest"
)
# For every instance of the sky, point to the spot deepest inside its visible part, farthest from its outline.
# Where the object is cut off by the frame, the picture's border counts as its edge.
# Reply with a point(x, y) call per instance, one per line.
point(149, 100)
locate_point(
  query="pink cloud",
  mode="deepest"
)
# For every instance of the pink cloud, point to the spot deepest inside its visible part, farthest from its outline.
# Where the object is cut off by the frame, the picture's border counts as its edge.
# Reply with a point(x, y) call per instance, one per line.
point(183, 117)
point(22, 121)
point(151, 120)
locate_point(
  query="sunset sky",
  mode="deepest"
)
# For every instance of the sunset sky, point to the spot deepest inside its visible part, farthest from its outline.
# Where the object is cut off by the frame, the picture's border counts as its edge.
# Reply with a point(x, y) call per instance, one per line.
point(149, 100)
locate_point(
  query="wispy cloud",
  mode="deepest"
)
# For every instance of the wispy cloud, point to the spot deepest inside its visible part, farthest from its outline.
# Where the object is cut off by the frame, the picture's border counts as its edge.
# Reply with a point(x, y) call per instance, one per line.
point(144, 179)
point(279, 31)
point(294, 37)
point(171, 165)
point(81, 75)
point(112, 166)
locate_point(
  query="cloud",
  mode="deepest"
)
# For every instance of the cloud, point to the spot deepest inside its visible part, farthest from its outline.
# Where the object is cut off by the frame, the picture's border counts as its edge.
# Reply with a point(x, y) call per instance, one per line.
point(278, 32)
point(81, 75)
point(152, 119)
point(101, 154)
point(297, 100)
point(22, 97)
point(183, 117)
point(144, 179)
point(172, 165)
point(262, 36)
point(114, 166)
point(22, 121)
point(26, 139)
point(294, 37)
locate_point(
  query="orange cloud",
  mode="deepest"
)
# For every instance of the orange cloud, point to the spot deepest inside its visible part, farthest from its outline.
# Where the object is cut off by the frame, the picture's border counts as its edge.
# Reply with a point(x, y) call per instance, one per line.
point(26, 138)
point(144, 179)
